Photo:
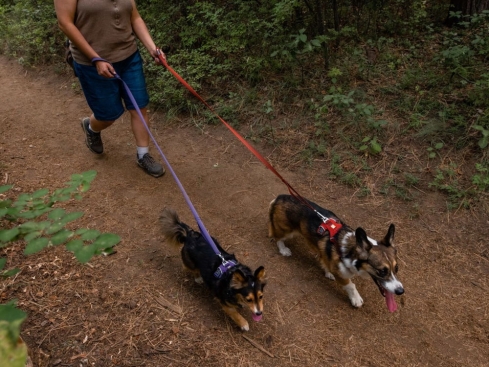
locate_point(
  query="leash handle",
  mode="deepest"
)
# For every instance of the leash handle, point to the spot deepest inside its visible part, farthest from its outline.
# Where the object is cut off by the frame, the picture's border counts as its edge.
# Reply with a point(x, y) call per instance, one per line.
point(95, 59)
point(202, 228)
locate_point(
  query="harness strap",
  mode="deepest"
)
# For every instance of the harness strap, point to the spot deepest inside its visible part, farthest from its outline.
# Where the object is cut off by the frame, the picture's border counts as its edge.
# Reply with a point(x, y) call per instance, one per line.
point(224, 267)
point(332, 226)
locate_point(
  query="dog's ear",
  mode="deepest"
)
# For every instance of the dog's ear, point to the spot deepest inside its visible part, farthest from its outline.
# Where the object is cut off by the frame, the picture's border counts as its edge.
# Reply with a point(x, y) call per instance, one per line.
point(363, 244)
point(260, 275)
point(389, 237)
point(238, 280)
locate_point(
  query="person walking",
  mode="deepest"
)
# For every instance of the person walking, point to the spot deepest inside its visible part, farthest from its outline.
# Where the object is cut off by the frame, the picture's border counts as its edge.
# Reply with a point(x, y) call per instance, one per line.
point(102, 38)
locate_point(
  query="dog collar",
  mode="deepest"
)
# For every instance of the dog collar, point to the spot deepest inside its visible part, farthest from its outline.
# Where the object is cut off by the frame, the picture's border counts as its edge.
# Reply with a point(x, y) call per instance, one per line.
point(224, 267)
point(331, 226)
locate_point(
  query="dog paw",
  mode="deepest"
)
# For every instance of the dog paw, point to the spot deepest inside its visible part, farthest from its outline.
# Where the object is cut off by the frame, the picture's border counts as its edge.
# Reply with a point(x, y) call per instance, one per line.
point(199, 280)
point(245, 327)
point(328, 275)
point(284, 250)
point(356, 300)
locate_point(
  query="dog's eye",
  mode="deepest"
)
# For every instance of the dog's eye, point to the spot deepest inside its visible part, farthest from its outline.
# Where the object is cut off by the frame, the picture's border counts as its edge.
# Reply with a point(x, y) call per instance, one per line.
point(260, 296)
point(383, 272)
point(249, 300)
point(396, 269)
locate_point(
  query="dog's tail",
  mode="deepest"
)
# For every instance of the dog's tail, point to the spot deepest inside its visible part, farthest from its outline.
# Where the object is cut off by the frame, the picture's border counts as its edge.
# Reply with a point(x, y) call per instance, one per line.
point(270, 218)
point(174, 230)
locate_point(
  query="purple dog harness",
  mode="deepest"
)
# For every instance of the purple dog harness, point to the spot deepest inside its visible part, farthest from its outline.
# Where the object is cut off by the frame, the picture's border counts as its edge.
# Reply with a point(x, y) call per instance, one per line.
point(224, 267)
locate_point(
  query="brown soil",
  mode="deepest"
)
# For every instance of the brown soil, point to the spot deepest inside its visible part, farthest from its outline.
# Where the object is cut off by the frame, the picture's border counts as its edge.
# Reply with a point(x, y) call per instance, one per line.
point(139, 308)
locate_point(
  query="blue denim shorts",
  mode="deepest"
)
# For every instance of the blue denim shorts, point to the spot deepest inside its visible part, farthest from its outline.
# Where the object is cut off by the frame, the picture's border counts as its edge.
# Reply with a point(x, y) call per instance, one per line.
point(105, 96)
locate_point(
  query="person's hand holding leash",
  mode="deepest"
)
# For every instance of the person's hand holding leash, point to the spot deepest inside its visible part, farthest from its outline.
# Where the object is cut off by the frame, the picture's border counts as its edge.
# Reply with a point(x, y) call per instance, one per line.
point(104, 68)
point(156, 55)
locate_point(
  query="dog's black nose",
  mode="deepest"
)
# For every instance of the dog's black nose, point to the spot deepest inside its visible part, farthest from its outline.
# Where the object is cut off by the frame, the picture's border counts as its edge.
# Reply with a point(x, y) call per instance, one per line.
point(399, 291)
point(258, 313)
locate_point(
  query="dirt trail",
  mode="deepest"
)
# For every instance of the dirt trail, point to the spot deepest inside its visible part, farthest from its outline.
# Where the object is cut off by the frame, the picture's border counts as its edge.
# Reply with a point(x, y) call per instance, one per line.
point(112, 312)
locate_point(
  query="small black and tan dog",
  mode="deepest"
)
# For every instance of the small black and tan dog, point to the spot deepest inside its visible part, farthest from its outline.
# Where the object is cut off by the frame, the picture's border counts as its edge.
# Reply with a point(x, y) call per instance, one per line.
point(234, 286)
point(345, 254)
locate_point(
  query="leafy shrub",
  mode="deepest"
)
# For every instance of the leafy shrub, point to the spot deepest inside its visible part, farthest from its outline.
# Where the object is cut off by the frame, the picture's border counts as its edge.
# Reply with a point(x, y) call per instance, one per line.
point(30, 32)
point(36, 220)
point(481, 179)
point(12, 353)
point(345, 65)
point(479, 96)
point(447, 180)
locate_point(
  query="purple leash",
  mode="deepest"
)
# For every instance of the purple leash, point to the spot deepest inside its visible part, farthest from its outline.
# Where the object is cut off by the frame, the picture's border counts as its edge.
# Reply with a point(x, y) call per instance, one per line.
point(226, 264)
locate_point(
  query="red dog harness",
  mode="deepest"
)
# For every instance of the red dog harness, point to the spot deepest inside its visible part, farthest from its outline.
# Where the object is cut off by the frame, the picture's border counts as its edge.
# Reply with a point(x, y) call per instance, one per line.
point(331, 226)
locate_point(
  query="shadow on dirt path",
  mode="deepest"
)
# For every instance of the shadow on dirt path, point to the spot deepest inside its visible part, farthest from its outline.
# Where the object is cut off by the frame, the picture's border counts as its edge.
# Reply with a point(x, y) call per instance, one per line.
point(139, 308)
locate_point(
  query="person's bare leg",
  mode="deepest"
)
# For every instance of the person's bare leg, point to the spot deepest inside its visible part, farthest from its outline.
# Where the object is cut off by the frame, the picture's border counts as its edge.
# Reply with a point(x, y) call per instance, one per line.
point(97, 125)
point(138, 129)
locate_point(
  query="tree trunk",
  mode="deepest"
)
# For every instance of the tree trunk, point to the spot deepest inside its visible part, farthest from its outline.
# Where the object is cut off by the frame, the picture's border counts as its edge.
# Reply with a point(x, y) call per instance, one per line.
point(336, 16)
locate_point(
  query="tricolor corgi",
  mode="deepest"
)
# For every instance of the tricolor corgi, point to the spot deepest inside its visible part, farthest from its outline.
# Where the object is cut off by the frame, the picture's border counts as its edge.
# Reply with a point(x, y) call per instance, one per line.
point(343, 252)
point(234, 284)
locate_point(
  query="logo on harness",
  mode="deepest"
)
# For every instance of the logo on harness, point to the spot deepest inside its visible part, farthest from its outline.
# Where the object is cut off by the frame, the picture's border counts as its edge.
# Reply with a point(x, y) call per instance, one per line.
point(224, 267)
point(331, 226)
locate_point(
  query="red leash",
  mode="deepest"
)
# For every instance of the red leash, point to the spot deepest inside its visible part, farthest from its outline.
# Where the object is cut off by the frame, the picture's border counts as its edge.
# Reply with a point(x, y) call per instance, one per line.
point(262, 159)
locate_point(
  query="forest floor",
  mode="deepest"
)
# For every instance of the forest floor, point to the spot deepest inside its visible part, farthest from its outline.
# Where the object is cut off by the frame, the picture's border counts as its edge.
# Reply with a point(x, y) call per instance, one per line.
point(138, 307)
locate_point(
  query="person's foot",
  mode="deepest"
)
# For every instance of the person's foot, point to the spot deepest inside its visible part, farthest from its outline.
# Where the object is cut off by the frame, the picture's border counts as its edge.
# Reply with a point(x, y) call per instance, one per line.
point(92, 139)
point(148, 164)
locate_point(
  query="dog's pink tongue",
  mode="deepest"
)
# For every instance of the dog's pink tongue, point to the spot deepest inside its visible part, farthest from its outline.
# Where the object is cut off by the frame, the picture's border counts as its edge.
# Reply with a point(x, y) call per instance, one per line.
point(256, 317)
point(390, 301)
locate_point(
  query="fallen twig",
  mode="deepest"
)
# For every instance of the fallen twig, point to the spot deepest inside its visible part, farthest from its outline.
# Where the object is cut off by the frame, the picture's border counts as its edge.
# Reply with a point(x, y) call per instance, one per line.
point(169, 305)
point(478, 285)
point(256, 345)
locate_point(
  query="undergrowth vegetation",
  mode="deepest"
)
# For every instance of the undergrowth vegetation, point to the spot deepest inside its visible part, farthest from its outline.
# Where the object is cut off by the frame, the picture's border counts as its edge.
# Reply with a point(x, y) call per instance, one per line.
point(392, 97)
point(34, 221)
